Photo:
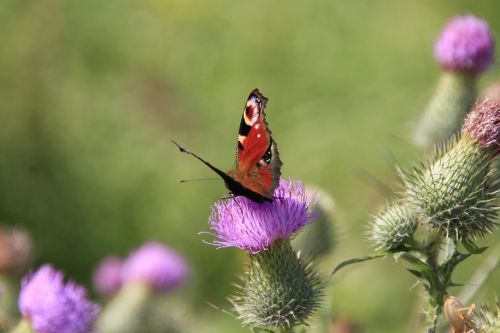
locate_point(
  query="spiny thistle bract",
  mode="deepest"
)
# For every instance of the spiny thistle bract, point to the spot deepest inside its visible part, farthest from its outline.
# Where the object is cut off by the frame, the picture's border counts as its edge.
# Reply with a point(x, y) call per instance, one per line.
point(279, 290)
point(393, 227)
point(490, 318)
point(456, 191)
point(464, 50)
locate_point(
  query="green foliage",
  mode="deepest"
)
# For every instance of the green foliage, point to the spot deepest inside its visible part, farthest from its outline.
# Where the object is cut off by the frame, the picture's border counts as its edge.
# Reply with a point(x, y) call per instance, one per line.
point(280, 290)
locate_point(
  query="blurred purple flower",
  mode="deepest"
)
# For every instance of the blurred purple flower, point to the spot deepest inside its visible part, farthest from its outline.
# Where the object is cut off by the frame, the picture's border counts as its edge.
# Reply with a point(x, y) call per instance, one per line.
point(466, 45)
point(52, 306)
point(254, 227)
point(107, 277)
point(157, 265)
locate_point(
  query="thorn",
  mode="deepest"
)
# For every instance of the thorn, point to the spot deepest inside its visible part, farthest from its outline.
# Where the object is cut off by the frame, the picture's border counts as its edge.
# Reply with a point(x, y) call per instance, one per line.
point(181, 148)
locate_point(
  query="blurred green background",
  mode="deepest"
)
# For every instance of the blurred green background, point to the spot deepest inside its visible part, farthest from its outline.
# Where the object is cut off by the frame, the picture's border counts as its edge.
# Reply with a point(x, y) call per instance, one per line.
point(91, 92)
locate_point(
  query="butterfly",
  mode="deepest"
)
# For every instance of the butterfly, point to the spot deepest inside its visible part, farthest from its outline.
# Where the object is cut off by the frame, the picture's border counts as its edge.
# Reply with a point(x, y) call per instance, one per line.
point(258, 166)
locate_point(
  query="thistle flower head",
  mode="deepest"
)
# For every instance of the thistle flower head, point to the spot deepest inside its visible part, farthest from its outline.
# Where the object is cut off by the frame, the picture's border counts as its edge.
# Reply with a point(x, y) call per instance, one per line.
point(15, 250)
point(393, 227)
point(483, 125)
point(107, 277)
point(52, 306)
point(254, 227)
point(465, 45)
point(156, 265)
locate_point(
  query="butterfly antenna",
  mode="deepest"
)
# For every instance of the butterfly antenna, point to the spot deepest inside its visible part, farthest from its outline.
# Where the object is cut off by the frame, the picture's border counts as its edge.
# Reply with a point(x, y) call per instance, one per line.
point(186, 151)
point(195, 180)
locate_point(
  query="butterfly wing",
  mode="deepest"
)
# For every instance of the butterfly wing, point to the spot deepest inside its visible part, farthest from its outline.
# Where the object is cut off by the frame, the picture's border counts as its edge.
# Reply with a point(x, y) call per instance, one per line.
point(258, 167)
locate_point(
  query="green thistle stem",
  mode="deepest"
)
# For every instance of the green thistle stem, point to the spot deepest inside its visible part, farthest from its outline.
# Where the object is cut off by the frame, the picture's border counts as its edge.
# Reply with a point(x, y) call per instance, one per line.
point(447, 108)
point(23, 327)
point(435, 290)
point(8, 301)
point(126, 311)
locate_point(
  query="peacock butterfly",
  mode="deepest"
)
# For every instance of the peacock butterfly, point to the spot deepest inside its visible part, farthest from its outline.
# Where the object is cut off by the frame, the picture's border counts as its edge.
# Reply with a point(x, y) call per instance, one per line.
point(258, 166)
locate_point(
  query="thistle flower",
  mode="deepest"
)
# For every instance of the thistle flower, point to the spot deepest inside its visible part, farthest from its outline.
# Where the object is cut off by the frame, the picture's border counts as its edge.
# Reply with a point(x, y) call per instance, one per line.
point(464, 50)
point(254, 227)
point(280, 290)
point(392, 228)
point(107, 277)
point(157, 266)
point(149, 270)
point(466, 44)
point(455, 193)
point(51, 306)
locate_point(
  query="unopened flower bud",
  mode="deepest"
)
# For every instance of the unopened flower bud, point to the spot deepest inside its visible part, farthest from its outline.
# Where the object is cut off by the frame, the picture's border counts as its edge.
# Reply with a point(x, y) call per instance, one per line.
point(456, 191)
point(393, 227)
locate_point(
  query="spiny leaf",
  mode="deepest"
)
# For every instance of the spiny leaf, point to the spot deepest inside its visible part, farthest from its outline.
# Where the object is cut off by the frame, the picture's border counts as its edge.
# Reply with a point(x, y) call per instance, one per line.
point(361, 259)
point(473, 248)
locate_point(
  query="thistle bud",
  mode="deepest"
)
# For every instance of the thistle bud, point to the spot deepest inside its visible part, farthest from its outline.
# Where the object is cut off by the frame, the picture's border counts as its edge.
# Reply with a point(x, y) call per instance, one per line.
point(393, 227)
point(456, 191)
point(279, 289)
point(464, 50)
point(318, 238)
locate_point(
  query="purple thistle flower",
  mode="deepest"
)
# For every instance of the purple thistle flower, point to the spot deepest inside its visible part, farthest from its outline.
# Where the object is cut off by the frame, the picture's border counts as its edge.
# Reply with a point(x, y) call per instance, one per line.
point(107, 276)
point(52, 306)
point(465, 45)
point(254, 227)
point(483, 125)
point(156, 265)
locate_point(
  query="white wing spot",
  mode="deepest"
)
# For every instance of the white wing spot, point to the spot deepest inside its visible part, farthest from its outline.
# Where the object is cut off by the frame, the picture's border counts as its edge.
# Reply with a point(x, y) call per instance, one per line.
point(257, 126)
point(258, 135)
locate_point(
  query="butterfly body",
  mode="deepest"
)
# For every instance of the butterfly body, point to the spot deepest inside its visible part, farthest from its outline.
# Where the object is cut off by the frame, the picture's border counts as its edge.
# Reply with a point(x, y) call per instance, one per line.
point(257, 166)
